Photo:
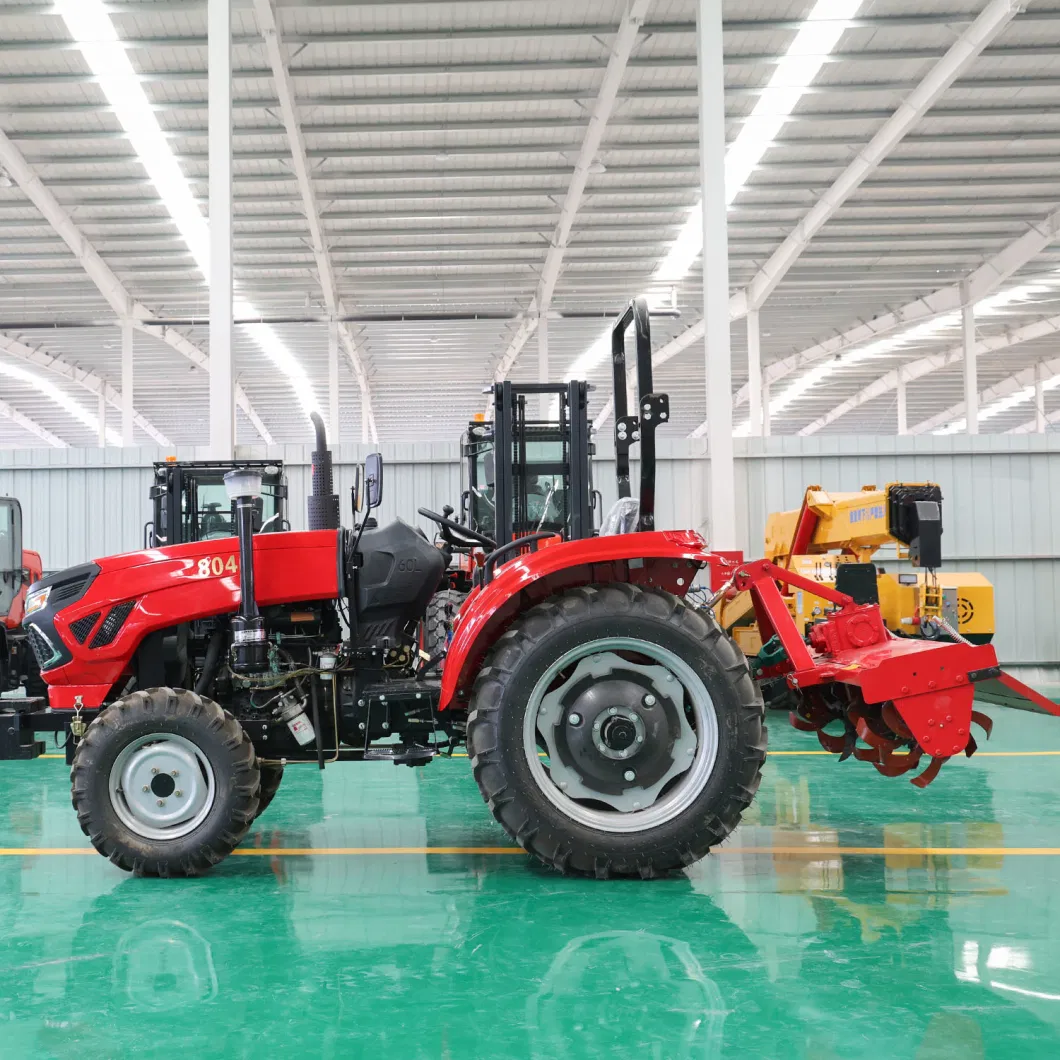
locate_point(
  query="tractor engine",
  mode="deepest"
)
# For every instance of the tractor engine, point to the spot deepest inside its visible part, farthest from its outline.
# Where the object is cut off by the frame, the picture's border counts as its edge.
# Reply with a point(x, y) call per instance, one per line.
point(296, 679)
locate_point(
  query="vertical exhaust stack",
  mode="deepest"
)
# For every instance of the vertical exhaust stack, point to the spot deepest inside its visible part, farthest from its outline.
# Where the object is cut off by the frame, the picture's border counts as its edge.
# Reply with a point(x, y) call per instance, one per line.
point(323, 501)
point(249, 649)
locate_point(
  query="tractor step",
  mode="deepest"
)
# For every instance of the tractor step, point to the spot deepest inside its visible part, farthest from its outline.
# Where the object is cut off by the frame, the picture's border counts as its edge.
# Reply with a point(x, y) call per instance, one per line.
point(400, 755)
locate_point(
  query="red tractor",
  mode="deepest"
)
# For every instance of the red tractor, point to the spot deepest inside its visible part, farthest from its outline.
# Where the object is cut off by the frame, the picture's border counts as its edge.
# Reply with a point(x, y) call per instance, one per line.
point(18, 568)
point(613, 729)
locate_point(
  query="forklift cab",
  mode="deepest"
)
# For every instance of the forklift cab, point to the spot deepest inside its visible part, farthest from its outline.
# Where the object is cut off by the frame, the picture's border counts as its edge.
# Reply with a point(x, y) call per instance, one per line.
point(189, 501)
point(535, 473)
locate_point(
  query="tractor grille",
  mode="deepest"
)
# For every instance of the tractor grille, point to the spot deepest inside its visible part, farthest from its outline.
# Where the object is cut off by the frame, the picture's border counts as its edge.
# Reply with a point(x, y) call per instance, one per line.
point(43, 650)
point(65, 591)
point(112, 624)
point(83, 626)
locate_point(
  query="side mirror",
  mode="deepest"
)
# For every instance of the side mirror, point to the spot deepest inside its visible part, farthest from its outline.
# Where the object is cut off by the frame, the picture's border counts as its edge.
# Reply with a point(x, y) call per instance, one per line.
point(373, 479)
point(356, 496)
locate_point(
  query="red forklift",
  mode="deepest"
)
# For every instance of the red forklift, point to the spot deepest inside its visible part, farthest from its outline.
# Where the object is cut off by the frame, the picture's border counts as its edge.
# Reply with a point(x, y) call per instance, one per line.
point(612, 728)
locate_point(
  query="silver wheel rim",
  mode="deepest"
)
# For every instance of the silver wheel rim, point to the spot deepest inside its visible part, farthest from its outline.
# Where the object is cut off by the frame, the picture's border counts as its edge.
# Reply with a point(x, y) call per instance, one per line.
point(697, 743)
point(162, 786)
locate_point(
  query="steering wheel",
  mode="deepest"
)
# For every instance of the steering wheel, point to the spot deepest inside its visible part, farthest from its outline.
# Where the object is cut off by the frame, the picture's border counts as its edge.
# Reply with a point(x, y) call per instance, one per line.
point(465, 532)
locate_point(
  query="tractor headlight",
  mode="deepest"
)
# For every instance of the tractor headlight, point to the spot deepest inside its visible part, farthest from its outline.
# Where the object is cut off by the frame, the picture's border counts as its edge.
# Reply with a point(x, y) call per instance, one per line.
point(36, 600)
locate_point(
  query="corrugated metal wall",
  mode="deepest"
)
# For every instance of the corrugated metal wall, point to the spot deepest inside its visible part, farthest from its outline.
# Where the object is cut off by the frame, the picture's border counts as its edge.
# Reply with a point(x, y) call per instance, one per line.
point(1001, 516)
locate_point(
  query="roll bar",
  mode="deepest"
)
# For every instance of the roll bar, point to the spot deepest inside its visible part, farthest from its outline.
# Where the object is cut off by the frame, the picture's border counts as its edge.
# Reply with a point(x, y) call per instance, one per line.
point(653, 408)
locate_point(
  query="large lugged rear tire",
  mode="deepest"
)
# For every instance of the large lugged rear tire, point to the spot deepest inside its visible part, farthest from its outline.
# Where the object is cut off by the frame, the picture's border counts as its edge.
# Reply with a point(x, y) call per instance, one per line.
point(615, 731)
point(165, 783)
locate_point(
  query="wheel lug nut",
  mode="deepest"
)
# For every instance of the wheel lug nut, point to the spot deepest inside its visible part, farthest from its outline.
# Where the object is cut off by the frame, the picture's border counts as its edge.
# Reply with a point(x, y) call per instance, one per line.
point(161, 802)
point(630, 775)
point(649, 700)
point(612, 711)
point(575, 719)
point(175, 773)
point(146, 788)
point(178, 793)
point(154, 769)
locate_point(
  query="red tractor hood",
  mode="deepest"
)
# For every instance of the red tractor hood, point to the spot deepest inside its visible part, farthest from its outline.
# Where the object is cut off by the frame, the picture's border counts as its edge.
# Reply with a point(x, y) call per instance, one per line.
point(162, 587)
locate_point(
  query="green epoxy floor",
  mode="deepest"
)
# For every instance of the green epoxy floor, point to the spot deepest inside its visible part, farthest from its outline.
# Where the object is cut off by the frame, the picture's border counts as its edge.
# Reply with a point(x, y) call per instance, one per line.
point(765, 950)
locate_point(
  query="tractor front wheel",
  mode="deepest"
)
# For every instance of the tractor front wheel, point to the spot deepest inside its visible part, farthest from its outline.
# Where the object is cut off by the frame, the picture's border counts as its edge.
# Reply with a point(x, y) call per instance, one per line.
point(165, 783)
point(615, 731)
point(271, 777)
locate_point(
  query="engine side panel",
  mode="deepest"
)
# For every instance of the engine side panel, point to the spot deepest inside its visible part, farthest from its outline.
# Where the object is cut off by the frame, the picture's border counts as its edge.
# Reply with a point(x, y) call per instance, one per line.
point(140, 592)
point(402, 570)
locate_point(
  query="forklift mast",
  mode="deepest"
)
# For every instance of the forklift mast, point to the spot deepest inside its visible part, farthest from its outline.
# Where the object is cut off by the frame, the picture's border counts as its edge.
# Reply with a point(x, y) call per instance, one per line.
point(189, 501)
point(527, 475)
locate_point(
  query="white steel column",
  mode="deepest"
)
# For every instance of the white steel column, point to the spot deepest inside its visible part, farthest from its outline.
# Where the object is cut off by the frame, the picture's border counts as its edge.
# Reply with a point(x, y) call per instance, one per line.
point(971, 374)
point(716, 276)
point(127, 412)
point(333, 381)
point(542, 364)
point(903, 418)
point(754, 372)
point(765, 408)
point(1039, 398)
point(101, 415)
point(219, 83)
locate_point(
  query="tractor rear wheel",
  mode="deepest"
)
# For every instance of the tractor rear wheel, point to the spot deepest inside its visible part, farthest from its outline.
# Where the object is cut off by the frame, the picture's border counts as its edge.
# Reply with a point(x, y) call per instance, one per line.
point(165, 783)
point(615, 731)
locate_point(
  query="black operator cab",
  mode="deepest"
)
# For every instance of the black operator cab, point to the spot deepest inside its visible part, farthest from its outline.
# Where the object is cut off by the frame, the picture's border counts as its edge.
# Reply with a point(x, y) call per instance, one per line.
point(11, 575)
point(525, 473)
point(189, 501)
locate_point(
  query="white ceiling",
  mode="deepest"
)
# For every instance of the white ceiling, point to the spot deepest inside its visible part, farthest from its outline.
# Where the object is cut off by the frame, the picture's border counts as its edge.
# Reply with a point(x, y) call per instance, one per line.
point(442, 137)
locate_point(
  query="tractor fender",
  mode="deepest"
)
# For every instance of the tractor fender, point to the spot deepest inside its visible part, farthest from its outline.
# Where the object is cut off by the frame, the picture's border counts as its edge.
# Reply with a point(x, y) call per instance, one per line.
point(667, 559)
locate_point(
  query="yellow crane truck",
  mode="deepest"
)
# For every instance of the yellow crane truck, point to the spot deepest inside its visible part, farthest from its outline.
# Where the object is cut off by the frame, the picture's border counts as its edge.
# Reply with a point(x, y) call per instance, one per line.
point(833, 539)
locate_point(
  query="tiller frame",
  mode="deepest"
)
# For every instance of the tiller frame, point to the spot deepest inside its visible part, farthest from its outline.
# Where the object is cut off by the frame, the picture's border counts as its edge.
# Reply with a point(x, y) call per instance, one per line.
point(850, 666)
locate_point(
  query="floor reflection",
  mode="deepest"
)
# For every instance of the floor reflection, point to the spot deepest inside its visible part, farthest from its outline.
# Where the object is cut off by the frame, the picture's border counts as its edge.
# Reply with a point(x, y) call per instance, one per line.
point(789, 943)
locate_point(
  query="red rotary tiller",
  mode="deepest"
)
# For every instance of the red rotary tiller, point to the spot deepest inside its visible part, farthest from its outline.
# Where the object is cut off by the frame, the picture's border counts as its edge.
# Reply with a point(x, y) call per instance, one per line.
point(847, 676)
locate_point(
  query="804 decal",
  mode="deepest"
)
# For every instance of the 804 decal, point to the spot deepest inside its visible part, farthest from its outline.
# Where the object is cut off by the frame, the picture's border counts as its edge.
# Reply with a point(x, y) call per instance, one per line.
point(215, 566)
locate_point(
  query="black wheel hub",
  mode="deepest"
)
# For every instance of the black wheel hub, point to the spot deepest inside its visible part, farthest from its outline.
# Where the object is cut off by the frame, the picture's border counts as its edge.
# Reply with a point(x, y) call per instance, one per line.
point(163, 785)
point(617, 733)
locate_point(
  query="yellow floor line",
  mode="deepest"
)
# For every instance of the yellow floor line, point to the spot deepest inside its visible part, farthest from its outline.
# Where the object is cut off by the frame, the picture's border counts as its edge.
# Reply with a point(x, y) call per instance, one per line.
point(808, 851)
point(978, 754)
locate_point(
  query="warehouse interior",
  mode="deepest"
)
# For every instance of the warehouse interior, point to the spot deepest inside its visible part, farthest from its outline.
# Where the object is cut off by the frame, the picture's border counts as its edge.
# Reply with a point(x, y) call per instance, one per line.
point(319, 241)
